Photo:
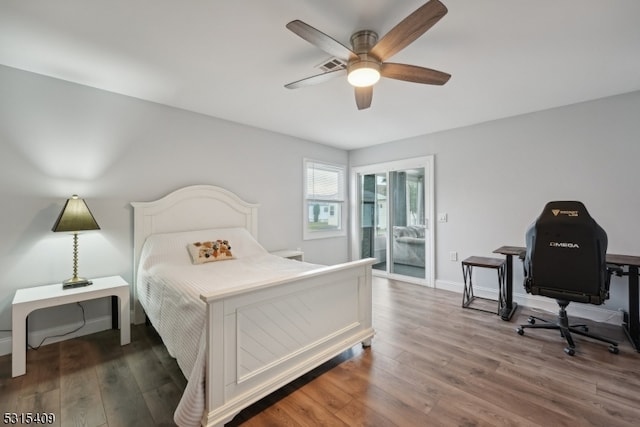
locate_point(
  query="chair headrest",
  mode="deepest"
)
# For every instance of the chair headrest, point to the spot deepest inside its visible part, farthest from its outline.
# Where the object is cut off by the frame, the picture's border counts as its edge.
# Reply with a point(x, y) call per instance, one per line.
point(565, 211)
point(566, 219)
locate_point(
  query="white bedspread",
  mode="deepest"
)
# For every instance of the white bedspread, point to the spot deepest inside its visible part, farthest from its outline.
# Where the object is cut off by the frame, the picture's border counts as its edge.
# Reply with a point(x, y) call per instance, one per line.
point(169, 287)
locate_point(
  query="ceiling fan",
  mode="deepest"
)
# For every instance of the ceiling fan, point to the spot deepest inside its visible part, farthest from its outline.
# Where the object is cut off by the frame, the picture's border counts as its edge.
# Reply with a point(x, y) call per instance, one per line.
point(366, 58)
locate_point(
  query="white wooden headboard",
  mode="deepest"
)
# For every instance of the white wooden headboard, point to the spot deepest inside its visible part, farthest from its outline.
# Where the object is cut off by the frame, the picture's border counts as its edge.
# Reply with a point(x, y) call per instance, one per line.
point(196, 207)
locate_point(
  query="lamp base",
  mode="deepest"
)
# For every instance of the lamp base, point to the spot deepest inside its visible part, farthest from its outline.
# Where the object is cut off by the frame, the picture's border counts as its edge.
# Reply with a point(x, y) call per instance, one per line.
point(76, 282)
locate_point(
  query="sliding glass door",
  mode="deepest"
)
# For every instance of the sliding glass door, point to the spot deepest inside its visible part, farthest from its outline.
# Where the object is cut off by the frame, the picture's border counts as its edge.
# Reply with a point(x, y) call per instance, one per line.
point(394, 207)
point(373, 224)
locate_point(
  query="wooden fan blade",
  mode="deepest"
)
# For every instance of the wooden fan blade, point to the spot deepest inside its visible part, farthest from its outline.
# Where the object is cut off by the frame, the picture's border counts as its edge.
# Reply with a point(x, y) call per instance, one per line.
point(318, 78)
point(413, 73)
point(321, 40)
point(408, 30)
point(364, 95)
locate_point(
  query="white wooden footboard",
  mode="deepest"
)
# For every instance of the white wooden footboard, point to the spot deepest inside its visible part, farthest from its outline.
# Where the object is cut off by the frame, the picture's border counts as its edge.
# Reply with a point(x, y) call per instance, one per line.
point(263, 336)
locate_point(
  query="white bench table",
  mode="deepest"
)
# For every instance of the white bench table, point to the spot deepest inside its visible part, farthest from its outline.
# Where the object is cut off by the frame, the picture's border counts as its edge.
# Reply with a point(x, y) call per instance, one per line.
point(294, 254)
point(29, 299)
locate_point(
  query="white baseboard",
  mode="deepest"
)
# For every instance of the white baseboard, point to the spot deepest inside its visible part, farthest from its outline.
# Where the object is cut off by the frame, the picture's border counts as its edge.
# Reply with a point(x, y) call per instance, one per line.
point(35, 337)
point(596, 313)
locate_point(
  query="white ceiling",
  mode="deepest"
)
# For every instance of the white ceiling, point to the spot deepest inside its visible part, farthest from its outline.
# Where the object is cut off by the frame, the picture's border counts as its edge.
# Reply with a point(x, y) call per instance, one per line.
point(230, 59)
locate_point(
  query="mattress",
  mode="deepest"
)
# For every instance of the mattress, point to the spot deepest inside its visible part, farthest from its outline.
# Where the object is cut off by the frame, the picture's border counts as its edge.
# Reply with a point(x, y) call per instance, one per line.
point(169, 286)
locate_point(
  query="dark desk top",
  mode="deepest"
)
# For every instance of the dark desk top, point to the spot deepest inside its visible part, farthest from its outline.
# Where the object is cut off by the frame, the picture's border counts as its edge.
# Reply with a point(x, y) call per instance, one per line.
point(615, 259)
point(623, 260)
point(510, 250)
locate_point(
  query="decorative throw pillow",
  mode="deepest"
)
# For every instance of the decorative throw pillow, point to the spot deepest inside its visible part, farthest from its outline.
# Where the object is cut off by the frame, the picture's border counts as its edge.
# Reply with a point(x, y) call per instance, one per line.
point(215, 250)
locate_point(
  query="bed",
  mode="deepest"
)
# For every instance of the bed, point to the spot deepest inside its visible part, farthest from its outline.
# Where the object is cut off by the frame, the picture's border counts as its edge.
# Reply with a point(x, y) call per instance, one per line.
point(239, 328)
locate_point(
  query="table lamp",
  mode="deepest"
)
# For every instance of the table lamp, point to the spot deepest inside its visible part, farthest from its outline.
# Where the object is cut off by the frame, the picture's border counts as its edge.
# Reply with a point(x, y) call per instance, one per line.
point(75, 217)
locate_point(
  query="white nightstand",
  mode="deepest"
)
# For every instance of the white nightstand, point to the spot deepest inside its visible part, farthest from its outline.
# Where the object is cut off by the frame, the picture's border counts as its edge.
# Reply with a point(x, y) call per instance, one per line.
point(29, 299)
point(290, 253)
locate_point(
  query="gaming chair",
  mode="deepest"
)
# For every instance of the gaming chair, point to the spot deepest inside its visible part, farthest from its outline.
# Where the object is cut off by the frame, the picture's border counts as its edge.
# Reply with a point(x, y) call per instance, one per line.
point(566, 260)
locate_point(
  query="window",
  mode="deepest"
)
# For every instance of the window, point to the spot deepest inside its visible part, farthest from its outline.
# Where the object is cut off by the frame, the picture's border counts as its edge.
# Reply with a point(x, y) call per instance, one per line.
point(323, 200)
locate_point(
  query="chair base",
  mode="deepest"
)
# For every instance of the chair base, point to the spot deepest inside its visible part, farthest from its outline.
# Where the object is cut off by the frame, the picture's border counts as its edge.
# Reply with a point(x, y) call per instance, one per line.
point(562, 324)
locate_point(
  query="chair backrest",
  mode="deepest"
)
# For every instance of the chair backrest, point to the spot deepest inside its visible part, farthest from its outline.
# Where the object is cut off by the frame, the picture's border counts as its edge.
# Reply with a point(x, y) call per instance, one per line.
point(566, 255)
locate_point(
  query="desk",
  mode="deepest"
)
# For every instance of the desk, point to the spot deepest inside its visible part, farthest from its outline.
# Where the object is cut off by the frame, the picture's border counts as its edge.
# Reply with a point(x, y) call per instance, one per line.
point(631, 323)
point(509, 305)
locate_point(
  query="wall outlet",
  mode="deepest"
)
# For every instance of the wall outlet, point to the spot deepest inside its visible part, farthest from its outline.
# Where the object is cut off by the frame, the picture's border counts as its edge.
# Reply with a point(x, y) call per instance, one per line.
point(453, 256)
point(442, 217)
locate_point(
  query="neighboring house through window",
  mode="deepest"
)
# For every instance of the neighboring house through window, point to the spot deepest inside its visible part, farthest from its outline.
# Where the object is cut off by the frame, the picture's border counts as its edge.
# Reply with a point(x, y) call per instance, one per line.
point(324, 213)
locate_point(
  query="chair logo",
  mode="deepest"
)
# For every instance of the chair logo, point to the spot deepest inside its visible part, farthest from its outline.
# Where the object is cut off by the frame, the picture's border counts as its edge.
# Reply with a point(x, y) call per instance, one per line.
point(557, 212)
point(564, 245)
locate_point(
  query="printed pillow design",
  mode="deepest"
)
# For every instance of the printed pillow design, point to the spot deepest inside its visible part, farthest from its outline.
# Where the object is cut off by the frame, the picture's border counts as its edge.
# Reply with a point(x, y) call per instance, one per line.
point(209, 251)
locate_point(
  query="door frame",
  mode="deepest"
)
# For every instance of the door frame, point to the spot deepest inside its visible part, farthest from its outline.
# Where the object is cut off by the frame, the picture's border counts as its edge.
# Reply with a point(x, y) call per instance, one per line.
point(426, 162)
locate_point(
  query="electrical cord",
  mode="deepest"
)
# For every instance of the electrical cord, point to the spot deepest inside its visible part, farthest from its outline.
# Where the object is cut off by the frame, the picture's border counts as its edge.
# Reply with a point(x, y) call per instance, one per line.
point(84, 322)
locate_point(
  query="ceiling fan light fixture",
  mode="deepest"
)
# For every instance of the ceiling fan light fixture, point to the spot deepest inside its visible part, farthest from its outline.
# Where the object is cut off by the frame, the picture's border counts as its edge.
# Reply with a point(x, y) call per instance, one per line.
point(363, 73)
point(367, 57)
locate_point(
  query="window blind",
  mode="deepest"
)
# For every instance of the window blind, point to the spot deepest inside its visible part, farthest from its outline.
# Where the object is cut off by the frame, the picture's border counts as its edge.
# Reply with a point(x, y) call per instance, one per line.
point(324, 182)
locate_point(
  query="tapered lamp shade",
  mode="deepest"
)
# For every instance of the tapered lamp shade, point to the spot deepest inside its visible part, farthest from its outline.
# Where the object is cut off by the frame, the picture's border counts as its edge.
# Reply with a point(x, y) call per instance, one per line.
point(75, 216)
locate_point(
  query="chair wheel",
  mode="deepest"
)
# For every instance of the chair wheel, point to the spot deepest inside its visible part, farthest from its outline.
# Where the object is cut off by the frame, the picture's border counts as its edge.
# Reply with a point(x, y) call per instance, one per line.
point(531, 321)
point(614, 349)
point(569, 351)
point(520, 330)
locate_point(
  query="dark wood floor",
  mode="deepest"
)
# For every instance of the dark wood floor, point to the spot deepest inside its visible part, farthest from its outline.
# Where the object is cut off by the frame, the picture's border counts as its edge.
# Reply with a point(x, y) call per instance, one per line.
point(431, 363)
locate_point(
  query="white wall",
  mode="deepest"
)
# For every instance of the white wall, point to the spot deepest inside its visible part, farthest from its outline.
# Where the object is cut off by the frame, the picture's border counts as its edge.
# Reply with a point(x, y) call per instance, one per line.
point(493, 179)
point(59, 138)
